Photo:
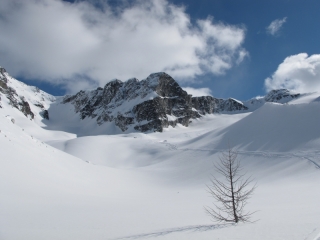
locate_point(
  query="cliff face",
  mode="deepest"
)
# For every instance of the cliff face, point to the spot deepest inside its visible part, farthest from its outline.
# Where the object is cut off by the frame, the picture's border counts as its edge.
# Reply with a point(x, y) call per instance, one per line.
point(148, 105)
point(209, 105)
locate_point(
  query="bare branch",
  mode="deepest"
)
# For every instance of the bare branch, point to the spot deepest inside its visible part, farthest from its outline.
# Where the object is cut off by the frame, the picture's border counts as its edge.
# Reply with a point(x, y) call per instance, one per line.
point(232, 194)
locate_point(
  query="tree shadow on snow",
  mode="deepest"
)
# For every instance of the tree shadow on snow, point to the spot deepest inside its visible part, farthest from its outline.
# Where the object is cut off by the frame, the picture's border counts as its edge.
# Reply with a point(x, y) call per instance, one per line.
point(197, 228)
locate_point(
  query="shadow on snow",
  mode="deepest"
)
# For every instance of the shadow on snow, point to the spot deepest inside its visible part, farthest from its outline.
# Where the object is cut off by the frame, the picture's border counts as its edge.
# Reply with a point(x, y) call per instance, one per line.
point(197, 228)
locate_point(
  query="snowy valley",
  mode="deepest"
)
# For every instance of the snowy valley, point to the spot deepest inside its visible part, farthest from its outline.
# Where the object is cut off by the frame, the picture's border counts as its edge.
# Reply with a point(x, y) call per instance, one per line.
point(132, 160)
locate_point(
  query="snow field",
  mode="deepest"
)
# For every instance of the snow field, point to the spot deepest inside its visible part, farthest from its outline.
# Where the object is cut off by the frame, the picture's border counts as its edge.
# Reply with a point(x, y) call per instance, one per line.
point(152, 186)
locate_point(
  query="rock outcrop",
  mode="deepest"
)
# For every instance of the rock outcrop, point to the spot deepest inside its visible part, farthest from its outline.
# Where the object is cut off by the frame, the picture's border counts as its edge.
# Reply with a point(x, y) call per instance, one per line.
point(281, 96)
point(148, 105)
point(209, 105)
point(24, 97)
point(16, 101)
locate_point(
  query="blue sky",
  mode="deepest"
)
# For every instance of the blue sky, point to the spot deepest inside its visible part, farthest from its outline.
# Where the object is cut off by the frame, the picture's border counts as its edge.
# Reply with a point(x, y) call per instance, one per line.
point(229, 48)
point(299, 34)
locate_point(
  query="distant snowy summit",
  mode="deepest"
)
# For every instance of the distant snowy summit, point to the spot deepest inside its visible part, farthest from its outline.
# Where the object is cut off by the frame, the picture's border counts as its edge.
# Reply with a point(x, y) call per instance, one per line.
point(152, 104)
point(277, 96)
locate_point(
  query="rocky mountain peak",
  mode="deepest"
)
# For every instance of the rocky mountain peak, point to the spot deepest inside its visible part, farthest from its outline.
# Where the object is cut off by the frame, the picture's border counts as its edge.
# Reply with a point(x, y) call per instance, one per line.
point(164, 85)
point(29, 100)
point(151, 104)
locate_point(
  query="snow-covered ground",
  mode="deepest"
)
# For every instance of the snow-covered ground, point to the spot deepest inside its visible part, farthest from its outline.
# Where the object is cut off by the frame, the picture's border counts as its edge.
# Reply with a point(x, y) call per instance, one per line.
point(55, 185)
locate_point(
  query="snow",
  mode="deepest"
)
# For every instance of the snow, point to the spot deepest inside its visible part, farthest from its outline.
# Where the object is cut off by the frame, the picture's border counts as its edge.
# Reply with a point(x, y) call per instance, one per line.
point(236, 100)
point(273, 127)
point(32, 95)
point(59, 183)
point(307, 98)
point(171, 117)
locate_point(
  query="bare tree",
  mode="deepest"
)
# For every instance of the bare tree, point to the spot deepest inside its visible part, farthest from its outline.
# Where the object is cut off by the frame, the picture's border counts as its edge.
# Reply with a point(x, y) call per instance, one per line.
point(231, 193)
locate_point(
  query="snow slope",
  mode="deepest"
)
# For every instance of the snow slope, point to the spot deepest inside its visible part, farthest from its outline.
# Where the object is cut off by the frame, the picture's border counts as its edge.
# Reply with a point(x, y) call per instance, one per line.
point(152, 186)
point(36, 99)
point(306, 98)
point(63, 117)
point(273, 127)
point(56, 183)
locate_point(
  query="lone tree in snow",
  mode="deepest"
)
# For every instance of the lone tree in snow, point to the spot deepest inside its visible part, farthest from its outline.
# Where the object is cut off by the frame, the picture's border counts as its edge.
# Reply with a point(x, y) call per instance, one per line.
point(231, 193)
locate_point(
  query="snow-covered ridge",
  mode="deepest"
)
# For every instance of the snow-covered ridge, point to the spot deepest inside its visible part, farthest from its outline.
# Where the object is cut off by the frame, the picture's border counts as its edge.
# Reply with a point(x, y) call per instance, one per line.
point(83, 187)
point(30, 100)
point(277, 96)
point(149, 105)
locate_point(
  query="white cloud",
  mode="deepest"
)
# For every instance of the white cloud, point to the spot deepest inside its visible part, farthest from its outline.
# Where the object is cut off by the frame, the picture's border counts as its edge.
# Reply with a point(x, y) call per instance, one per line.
point(275, 26)
point(242, 55)
point(299, 73)
point(197, 92)
point(56, 41)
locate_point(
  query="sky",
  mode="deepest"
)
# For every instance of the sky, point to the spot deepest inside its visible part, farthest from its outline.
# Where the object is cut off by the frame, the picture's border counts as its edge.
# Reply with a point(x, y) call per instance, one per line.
point(225, 48)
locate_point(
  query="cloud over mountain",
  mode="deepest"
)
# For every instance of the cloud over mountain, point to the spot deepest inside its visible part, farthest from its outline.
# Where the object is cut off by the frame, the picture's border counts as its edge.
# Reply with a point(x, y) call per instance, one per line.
point(299, 72)
point(82, 44)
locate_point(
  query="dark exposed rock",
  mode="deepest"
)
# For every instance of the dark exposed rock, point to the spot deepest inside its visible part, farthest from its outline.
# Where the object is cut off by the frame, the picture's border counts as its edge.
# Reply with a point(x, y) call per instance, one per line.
point(123, 122)
point(3, 80)
point(14, 99)
point(155, 125)
point(25, 108)
point(40, 105)
point(3, 75)
point(205, 104)
point(3, 85)
point(148, 105)
point(45, 114)
point(230, 105)
point(209, 105)
point(179, 108)
point(280, 94)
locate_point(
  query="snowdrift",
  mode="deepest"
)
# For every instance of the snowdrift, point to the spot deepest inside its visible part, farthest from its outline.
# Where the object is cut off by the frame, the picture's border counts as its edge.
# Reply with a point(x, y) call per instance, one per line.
point(273, 127)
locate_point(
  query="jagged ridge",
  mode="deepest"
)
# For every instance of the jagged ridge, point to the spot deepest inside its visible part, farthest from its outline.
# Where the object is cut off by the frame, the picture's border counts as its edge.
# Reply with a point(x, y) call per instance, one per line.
point(149, 105)
point(152, 104)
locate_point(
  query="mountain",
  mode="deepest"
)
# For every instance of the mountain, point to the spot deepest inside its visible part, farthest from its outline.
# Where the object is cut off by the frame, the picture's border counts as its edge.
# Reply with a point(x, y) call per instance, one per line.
point(149, 105)
point(152, 104)
point(57, 182)
point(277, 96)
point(29, 100)
point(273, 127)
